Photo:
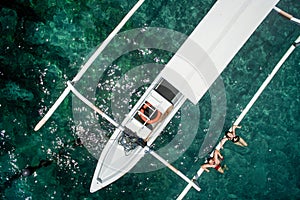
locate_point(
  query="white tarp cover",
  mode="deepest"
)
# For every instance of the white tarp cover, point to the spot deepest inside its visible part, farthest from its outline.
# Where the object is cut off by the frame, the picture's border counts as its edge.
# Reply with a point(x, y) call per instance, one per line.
point(212, 45)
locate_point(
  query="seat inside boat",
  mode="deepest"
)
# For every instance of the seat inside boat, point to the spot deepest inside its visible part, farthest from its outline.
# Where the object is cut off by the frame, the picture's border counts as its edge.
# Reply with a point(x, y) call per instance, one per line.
point(165, 89)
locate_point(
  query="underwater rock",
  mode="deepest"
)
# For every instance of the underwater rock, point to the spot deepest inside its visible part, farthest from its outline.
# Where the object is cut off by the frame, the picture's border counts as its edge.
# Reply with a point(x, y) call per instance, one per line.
point(233, 196)
point(258, 177)
point(8, 22)
point(13, 92)
point(23, 9)
point(36, 33)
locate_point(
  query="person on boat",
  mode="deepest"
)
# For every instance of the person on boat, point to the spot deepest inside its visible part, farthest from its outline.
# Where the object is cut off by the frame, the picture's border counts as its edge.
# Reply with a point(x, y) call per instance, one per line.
point(214, 162)
point(230, 135)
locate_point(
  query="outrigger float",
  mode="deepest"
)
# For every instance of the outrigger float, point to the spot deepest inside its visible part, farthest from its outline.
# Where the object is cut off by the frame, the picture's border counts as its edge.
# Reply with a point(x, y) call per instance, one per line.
point(187, 76)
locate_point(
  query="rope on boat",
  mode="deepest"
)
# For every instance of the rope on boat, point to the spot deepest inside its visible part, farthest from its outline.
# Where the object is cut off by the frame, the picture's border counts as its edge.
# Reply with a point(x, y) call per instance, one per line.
point(247, 108)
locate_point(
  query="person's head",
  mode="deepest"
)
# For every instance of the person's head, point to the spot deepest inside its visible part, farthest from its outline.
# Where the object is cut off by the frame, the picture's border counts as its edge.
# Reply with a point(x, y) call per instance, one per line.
point(210, 161)
point(229, 134)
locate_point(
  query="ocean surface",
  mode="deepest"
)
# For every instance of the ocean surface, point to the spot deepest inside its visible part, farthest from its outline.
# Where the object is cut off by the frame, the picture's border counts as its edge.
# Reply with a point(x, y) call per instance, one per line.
point(44, 44)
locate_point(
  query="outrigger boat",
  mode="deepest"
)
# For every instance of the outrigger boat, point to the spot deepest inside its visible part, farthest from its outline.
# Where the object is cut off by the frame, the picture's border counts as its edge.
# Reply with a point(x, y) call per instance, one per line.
point(187, 76)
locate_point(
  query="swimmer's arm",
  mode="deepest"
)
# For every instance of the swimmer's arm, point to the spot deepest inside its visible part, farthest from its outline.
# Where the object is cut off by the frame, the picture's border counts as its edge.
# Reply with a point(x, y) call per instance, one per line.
point(205, 166)
point(233, 129)
point(217, 154)
point(222, 142)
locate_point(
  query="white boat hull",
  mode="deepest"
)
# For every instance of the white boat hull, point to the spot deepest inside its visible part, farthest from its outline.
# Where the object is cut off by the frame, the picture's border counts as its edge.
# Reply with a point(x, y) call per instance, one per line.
point(114, 161)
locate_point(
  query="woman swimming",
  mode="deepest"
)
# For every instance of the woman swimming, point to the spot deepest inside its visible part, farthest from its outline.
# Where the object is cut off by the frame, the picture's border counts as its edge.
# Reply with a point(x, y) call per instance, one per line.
point(230, 135)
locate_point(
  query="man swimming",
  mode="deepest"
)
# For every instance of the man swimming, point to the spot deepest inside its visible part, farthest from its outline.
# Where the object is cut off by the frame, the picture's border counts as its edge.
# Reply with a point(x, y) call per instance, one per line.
point(214, 162)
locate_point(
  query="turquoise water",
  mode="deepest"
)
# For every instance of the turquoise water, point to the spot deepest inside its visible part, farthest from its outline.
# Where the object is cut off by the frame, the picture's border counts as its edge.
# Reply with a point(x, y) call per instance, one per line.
point(44, 43)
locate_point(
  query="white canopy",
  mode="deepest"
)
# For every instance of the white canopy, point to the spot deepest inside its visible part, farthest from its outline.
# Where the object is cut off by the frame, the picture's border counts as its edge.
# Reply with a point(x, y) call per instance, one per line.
point(212, 45)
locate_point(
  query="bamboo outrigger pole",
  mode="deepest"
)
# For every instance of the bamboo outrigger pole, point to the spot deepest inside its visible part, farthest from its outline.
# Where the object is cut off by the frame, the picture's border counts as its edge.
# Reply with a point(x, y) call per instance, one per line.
point(287, 15)
point(88, 64)
point(249, 105)
point(267, 81)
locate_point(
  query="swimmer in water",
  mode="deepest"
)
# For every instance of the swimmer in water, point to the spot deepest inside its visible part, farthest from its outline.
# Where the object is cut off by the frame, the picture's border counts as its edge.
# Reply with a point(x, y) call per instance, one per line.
point(230, 135)
point(214, 162)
